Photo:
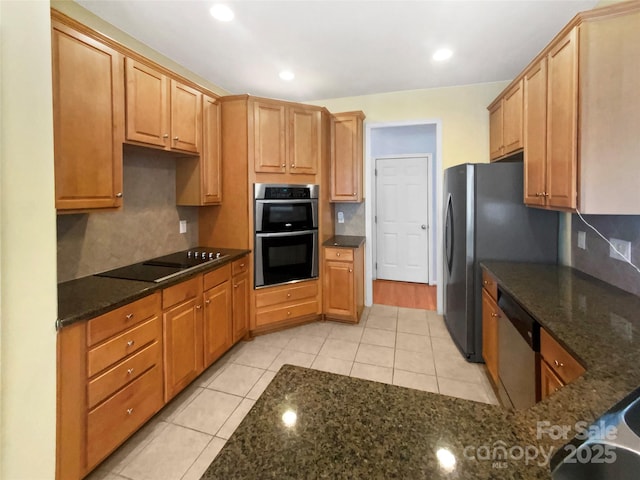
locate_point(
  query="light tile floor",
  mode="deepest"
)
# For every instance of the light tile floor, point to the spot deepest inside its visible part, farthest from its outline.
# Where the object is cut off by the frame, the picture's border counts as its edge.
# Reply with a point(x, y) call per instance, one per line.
point(402, 346)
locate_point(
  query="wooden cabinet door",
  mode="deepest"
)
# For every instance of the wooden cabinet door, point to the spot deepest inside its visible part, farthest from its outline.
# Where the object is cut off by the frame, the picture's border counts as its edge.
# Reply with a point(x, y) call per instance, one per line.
point(490, 315)
point(186, 114)
point(496, 148)
point(88, 123)
point(339, 289)
point(240, 297)
point(217, 322)
point(147, 104)
point(512, 119)
point(183, 357)
point(346, 157)
point(269, 137)
point(562, 123)
point(211, 158)
point(549, 381)
point(535, 134)
point(304, 141)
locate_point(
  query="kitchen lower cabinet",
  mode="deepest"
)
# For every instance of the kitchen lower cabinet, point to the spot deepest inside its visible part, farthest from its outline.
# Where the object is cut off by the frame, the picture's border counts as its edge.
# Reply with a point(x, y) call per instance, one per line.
point(183, 335)
point(88, 120)
point(286, 305)
point(346, 157)
point(218, 335)
point(109, 383)
point(557, 366)
point(343, 283)
point(490, 316)
point(240, 298)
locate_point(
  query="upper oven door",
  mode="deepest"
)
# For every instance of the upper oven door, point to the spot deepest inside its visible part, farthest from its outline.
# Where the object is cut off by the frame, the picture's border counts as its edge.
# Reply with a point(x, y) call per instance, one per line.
point(286, 215)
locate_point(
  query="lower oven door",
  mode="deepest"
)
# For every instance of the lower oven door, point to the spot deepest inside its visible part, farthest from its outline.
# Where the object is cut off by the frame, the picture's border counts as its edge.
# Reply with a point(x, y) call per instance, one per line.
point(285, 257)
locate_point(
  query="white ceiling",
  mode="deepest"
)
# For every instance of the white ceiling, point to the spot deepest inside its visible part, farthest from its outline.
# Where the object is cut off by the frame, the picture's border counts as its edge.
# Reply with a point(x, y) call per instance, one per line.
point(340, 48)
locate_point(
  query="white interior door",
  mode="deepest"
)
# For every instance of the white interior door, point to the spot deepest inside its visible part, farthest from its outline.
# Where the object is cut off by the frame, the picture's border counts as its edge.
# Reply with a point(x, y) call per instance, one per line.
point(402, 219)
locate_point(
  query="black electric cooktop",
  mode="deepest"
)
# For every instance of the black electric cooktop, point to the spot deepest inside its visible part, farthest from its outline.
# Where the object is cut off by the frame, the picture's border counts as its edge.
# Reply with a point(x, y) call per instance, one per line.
point(161, 268)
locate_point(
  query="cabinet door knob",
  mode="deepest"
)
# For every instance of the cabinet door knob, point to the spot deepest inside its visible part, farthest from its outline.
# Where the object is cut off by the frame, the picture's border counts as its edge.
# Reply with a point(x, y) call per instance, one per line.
point(235, 286)
point(242, 265)
point(175, 139)
point(166, 135)
point(350, 270)
point(129, 316)
point(338, 254)
point(495, 315)
point(130, 343)
point(485, 282)
point(293, 165)
point(558, 364)
point(129, 411)
point(207, 302)
point(130, 371)
point(283, 165)
point(288, 295)
point(119, 195)
point(198, 307)
point(288, 313)
point(354, 194)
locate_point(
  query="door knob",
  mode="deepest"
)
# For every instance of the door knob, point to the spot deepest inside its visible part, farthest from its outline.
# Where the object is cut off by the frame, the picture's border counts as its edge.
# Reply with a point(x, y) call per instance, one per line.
point(424, 227)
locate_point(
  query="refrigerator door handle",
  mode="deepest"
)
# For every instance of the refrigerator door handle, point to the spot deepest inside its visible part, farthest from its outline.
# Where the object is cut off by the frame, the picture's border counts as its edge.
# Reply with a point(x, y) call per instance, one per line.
point(448, 234)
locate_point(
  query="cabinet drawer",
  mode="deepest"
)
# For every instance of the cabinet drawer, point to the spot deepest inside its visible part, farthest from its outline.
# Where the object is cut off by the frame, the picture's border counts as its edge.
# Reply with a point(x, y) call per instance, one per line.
point(490, 284)
point(265, 298)
point(240, 266)
point(561, 361)
point(218, 276)
point(124, 372)
point(181, 292)
point(123, 345)
point(107, 325)
point(284, 313)
point(114, 420)
point(344, 254)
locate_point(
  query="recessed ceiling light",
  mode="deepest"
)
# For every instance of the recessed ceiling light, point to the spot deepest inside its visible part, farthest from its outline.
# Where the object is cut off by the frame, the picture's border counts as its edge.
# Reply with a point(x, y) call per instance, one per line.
point(442, 54)
point(287, 75)
point(222, 13)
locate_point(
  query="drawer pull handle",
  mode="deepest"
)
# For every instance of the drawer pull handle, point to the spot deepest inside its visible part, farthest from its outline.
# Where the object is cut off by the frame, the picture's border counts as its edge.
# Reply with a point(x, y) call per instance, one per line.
point(130, 371)
point(288, 295)
point(130, 343)
point(495, 315)
point(129, 316)
point(485, 282)
point(338, 254)
point(283, 165)
point(288, 313)
point(235, 286)
point(293, 165)
point(129, 411)
point(166, 135)
point(175, 139)
point(558, 364)
point(242, 265)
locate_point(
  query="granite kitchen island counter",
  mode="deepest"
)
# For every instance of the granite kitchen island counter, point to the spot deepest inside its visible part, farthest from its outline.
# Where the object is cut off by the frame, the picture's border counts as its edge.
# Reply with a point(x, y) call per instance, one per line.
point(351, 428)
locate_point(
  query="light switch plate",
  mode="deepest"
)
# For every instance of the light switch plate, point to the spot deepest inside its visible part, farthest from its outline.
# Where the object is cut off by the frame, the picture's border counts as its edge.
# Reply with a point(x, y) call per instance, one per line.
point(623, 247)
point(183, 226)
point(582, 240)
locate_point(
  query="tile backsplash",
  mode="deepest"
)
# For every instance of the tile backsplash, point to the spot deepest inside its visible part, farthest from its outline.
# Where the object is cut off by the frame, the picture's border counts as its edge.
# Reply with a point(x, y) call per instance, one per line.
point(595, 260)
point(354, 219)
point(146, 227)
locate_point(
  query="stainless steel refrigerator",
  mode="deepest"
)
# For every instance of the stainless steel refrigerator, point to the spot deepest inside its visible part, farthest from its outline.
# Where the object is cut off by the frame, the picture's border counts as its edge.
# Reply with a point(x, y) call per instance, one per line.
point(486, 219)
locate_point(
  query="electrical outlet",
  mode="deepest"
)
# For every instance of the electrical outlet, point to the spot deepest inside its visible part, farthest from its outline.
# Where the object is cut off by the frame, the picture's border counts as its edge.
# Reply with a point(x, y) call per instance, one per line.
point(623, 247)
point(340, 217)
point(183, 226)
point(582, 240)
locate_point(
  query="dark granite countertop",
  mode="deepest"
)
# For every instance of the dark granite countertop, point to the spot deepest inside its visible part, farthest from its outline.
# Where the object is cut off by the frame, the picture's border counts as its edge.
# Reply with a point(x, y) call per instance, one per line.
point(344, 241)
point(352, 428)
point(88, 297)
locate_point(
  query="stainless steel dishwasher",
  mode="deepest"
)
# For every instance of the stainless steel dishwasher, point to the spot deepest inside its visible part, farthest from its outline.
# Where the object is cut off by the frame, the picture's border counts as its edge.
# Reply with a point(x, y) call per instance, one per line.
point(518, 347)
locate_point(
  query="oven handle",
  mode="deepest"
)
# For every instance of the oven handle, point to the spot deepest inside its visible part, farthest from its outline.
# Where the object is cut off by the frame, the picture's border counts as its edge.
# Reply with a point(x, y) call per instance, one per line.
point(287, 200)
point(286, 234)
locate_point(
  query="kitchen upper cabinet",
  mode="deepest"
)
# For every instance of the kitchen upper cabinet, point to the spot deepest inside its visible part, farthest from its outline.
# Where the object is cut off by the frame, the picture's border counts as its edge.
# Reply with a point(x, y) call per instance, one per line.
point(240, 297)
point(88, 122)
point(343, 283)
point(505, 123)
point(199, 179)
point(161, 111)
point(183, 335)
point(581, 115)
point(346, 157)
point(286, 138)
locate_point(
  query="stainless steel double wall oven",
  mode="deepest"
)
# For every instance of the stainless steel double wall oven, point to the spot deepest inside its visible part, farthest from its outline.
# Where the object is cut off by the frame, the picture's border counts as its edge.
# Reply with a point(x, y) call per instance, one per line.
point(286, 233)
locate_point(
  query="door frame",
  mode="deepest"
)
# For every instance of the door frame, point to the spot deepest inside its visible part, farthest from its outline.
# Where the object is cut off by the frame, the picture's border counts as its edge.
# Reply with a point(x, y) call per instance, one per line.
point(374, 194)
point(437, 272)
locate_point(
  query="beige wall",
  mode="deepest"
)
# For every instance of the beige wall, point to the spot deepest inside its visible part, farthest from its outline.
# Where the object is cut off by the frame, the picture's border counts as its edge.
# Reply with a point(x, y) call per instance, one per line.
point(84, 16)
point(462, 111)
point(27, 244)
